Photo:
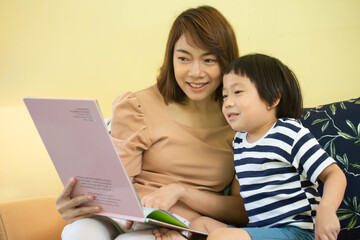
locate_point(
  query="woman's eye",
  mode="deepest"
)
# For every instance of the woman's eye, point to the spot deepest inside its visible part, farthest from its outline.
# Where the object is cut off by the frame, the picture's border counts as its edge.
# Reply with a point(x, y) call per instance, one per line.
point(182, 59)
point(237, 92)
point(224, 96)
point(210, 60)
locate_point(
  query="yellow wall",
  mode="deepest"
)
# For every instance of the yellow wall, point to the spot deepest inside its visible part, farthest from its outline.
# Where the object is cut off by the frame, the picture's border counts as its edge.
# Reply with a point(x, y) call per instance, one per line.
point(98, 49)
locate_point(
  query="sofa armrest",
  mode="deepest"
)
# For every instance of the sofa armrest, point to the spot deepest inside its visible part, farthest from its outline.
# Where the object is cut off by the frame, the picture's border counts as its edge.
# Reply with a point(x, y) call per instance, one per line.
point(35, 218)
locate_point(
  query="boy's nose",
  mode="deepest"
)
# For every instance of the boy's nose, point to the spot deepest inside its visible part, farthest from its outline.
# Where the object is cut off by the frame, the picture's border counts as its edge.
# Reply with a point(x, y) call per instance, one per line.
point(228, 103)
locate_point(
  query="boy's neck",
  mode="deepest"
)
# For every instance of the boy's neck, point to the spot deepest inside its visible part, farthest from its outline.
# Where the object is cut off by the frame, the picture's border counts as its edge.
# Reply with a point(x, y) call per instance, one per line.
point(256, 135)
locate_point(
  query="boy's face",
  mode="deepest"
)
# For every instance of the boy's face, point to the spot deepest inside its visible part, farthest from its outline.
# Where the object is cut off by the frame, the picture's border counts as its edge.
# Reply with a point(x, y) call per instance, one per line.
point(243, 108)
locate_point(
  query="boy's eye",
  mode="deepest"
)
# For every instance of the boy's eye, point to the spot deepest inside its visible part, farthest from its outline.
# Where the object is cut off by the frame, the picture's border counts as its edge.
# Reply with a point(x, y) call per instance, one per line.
point(224, 96)
point(237, 92)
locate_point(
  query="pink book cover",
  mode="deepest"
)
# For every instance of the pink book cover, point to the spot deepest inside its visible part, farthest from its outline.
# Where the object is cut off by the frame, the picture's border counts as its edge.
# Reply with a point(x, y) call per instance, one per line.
point(79, 145)
point(78, 142)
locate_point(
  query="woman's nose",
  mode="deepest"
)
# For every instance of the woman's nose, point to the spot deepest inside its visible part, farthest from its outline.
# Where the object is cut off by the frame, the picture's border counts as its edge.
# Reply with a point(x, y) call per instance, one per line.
point(195, 69)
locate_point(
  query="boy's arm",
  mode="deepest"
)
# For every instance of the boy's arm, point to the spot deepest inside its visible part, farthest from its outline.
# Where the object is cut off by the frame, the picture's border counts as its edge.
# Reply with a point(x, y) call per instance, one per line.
point(327, 224)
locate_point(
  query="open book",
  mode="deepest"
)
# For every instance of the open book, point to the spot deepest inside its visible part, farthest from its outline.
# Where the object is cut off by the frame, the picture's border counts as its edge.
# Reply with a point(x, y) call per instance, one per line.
point(77, 140)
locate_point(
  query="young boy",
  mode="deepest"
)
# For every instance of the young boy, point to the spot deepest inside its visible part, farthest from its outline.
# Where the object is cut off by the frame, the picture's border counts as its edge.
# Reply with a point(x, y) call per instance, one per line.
point(277, 161)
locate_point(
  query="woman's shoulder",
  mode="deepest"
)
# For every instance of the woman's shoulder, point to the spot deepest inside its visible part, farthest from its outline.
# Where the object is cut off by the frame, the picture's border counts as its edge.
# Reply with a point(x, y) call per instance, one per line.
point(148, 95)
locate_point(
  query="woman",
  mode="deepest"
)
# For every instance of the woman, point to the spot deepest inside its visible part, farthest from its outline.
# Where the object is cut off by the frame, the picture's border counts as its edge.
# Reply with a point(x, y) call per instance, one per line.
point(172, 137)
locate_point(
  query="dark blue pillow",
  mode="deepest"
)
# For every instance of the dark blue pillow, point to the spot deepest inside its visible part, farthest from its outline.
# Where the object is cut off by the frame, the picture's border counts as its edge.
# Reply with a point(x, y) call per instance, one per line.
point(337, 128)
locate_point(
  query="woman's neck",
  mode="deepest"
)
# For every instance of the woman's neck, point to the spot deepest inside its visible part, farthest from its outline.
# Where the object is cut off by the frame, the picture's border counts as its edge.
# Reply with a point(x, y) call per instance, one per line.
point(197, 114)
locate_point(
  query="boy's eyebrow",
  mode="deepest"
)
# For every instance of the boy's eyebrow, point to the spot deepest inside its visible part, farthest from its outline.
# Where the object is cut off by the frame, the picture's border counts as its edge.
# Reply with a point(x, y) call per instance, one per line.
point(186, 52)
point(232, 85)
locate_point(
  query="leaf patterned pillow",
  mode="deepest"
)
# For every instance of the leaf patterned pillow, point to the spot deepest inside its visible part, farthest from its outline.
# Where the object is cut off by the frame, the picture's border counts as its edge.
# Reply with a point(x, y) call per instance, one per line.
point(337, 128)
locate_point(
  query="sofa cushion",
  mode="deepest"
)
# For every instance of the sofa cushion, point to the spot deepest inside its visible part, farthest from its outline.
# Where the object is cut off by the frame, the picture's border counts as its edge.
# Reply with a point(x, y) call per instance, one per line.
point(337, 128)
point(35, 218)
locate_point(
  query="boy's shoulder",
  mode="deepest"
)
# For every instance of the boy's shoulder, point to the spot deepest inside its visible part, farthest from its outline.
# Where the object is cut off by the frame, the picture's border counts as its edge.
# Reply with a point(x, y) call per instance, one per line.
point(292, 123)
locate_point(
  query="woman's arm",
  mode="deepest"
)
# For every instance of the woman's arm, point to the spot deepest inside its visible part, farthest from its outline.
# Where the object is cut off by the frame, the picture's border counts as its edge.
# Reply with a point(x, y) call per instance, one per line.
point(228, 209)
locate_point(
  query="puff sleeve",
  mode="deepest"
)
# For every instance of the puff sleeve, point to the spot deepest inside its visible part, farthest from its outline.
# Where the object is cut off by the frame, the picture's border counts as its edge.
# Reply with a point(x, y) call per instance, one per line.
point(129, 132)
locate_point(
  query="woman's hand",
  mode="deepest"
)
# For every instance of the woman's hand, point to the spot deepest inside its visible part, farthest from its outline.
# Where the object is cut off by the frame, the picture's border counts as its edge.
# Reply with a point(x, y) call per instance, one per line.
point(164, 197)
point(70, 208)
point(166, 234)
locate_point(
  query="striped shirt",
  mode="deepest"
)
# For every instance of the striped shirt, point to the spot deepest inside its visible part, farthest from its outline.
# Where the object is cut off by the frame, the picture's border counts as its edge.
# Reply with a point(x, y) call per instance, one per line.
point(278, 175)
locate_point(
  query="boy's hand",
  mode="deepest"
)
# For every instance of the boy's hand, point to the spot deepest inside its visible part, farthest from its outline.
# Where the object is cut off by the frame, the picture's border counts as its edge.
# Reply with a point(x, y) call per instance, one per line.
point(327, 225)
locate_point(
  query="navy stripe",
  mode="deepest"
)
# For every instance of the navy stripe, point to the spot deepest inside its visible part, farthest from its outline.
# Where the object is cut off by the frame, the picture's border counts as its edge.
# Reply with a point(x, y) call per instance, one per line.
point(306, 183)
point(275, 205)
point(261, 185)
point(312, 191)
point(309, 153)
point(316, 164)
point(289, 124)
point(268, 172)
point(251, 160)
point(304, 218)
point(264, 149)
point(264, 195)
point(313, 201)
point(299, 144)
point(237, 140)
point(279, 218)
point(281, 137)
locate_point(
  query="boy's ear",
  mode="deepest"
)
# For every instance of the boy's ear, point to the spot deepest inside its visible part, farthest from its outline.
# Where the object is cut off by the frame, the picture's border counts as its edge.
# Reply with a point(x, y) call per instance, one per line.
point(275, 103)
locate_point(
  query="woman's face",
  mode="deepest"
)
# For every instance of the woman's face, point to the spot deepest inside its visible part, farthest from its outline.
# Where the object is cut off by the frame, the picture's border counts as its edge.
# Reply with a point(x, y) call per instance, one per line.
point(197, 71)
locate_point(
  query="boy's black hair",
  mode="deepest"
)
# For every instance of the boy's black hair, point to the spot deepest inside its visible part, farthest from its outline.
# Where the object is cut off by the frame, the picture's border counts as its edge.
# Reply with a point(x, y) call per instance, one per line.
point(273, 80)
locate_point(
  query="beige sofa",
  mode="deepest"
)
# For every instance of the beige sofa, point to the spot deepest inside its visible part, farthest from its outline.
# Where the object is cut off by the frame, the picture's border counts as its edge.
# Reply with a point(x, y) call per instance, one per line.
point(30, 219)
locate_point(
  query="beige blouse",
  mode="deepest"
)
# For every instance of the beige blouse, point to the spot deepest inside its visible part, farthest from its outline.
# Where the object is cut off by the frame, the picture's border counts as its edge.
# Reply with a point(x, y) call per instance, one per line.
point(157, 151)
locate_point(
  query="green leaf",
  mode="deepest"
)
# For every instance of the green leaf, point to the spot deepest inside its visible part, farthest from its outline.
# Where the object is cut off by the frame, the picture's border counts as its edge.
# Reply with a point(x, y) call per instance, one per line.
point(344, 211)
point(357, 142)
point(355, 165)
point(355, 203)
point(316, 121)
point(307, 115)
point(347, 201)
point(345, 215)
point(346, 136)
point(346, 161)
point(358, 130)
point(327, 145)
point(340, 159)
point(352, 223)
point(332, 149)
point(342, 105)
point(351, 125)
point(324, 127)
point(357, 102)
point(333, 109)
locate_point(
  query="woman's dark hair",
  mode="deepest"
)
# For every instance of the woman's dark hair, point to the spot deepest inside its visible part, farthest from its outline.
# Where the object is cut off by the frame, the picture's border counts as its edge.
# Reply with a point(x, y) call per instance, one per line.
point(208, 29)
point(273, 80)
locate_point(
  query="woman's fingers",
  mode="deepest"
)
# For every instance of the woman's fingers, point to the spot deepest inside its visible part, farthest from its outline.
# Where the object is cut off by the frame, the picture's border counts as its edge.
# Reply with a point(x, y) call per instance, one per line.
point(65, 194)
point(70, 208)
point(74, 202)
point(81, 212)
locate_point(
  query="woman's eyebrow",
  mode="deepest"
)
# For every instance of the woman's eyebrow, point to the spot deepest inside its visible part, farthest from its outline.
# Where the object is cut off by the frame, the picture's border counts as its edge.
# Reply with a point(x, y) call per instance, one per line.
point(182, 51)
point(187, 52)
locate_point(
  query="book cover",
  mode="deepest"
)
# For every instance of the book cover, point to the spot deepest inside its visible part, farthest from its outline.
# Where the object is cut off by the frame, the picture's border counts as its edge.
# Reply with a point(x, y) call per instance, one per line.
point(79, 145)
